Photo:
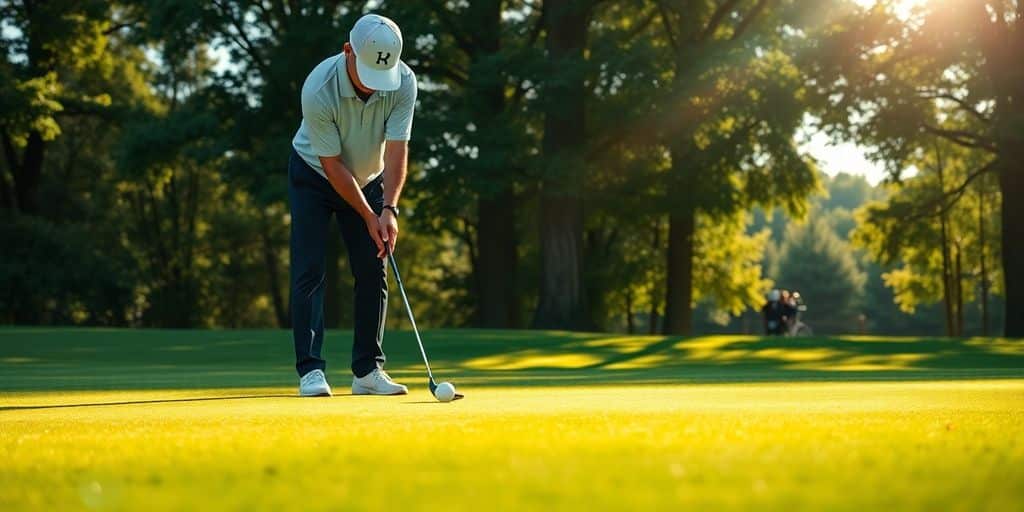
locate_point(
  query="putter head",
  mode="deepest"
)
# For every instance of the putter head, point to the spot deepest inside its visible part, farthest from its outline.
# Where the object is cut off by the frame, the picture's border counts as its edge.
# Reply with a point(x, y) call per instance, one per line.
point(433, 391)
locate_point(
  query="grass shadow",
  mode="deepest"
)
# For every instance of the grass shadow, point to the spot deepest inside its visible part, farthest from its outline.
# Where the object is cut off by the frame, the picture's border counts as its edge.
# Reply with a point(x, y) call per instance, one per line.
point(38, 359)
point(140, 402)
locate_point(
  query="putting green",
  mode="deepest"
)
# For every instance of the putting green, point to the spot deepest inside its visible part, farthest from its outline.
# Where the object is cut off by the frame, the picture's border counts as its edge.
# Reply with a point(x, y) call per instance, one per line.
point(169, 420)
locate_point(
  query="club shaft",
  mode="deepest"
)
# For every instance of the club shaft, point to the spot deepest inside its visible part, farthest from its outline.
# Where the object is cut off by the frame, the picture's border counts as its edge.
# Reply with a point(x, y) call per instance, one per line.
point(408, 309)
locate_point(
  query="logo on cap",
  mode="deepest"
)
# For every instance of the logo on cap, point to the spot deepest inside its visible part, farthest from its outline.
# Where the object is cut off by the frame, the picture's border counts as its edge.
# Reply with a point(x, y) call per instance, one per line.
point(383, 59)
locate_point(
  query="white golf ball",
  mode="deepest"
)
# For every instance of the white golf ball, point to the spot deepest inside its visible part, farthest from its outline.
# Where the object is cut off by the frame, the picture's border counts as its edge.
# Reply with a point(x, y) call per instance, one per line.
point(445, 392)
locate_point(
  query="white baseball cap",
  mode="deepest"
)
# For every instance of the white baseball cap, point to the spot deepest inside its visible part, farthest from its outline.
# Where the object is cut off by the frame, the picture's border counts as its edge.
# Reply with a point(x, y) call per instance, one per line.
point(377, 43)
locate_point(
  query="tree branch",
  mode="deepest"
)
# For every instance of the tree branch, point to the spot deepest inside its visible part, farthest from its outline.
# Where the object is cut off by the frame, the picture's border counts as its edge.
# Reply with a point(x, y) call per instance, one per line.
point(245, 43)
point(742, 132)
point(467, 234)
point(268, 15)
point(963, 138)
point(639, 27)
point(118, 26)
point(947, 200)
point(668, 27)
point(443, 71)
point(8, 198)
point(537, 27)
point(931, 95)
point(716, 19)
point(10, 153)
point(749, 18)
point(456, 32)
point(518, 94)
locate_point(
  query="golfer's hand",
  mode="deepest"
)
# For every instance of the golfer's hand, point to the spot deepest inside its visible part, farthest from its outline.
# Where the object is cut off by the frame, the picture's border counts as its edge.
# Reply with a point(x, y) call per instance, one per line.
point(389, 229)
point(375, 228)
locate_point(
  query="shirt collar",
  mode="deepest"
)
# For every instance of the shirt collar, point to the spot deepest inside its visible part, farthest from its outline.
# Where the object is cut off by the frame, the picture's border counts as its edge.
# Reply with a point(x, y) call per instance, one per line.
point(345, 87)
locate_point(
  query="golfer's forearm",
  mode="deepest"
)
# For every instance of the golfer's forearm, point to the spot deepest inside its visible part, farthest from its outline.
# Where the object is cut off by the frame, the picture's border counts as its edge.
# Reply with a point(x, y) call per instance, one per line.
point(396, 163)
point(345, 184)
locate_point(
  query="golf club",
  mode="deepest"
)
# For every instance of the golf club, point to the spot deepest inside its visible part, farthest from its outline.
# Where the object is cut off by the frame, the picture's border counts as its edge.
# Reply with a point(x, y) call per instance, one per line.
point(408, 309)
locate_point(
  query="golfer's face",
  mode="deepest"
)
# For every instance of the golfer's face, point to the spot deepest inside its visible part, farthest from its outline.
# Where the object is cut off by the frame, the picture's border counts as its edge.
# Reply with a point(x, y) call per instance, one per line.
point(358, 82)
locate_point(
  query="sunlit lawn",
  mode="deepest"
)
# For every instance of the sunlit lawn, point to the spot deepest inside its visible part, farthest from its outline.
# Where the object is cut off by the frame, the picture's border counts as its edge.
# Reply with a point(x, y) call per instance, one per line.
point(205, 420)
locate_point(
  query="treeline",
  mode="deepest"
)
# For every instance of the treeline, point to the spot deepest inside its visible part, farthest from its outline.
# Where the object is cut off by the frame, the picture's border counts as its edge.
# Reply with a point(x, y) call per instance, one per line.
point(831, 258)
point(575, 164)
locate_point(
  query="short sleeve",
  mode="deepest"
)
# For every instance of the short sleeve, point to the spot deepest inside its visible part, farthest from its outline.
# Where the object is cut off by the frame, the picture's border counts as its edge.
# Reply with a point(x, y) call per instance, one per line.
point(399, 123)
point(320, 127)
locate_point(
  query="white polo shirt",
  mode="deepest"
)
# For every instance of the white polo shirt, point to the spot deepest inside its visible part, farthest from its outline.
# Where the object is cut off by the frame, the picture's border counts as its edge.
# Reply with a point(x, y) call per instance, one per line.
point(336, 122)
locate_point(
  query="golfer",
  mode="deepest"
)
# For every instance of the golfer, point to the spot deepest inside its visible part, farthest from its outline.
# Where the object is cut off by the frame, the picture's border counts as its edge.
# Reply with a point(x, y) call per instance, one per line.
point(349, 159)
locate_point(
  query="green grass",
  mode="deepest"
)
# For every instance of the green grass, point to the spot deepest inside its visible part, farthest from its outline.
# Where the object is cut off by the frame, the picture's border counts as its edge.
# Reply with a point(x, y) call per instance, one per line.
point(206, 420)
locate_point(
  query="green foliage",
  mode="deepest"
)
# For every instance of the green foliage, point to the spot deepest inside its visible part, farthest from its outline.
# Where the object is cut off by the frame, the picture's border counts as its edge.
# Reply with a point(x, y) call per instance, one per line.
point(161, 132)
point(61, 41)
point(727, 265)
point(814, 258)
point(913, 228)
point(29, 106)
point(63, 274)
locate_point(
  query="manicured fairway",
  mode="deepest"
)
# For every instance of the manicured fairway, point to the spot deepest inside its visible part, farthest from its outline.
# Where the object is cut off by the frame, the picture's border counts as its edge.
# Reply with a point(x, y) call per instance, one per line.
point(204, 420)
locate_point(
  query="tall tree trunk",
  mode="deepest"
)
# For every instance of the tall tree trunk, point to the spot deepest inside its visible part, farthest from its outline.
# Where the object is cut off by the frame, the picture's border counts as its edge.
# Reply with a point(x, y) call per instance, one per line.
point(958, 286)
point(40, 53)
point(681, 230)
point(983, 243)
point(495, 268)
point(1003, 44)
point(947, 278)
point(629, 311)
point(652, 326)
point(679, 281)
point(1010, 118)
point(561, 304)
point(561, 291)
point(1011, 179)
point(7, 199)
point(497, 246)
point(28, 174)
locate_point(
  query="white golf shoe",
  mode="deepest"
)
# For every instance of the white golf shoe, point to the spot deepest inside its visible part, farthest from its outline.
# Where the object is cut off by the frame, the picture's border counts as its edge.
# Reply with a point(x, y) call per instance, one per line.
point(314, 383)
point(377, 382)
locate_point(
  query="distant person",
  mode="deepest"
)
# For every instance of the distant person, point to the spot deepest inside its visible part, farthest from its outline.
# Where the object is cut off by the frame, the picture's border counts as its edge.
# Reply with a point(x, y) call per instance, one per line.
point(788, 304)
point(772, 312)
point(349, 160)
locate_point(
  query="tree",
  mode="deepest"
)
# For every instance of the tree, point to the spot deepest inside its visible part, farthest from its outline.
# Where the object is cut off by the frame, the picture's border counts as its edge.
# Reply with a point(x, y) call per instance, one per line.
point(562, 297)
point(736, 99)
point(473, 135)
point(950, 71)
point(938, 246)
point(728, 275)
point(271, 49)
point(815, 262)
point(67, 78)
point(58, 41)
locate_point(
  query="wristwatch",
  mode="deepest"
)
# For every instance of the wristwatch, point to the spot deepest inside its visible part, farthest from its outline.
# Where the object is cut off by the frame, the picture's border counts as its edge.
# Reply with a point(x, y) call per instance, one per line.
point(393, 208)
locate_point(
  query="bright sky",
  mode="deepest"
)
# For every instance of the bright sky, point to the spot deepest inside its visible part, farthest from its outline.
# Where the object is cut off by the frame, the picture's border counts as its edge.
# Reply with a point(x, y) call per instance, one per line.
point(845, 157)
point(848, 157)
point(903, 7)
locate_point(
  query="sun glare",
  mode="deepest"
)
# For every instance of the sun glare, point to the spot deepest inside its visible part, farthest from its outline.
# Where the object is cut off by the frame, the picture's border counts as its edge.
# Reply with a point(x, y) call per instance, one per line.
point(903, 8)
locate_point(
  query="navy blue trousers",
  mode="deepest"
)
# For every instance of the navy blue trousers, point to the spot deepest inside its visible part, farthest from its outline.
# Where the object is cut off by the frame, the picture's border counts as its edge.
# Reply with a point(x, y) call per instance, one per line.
point(313, 201)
